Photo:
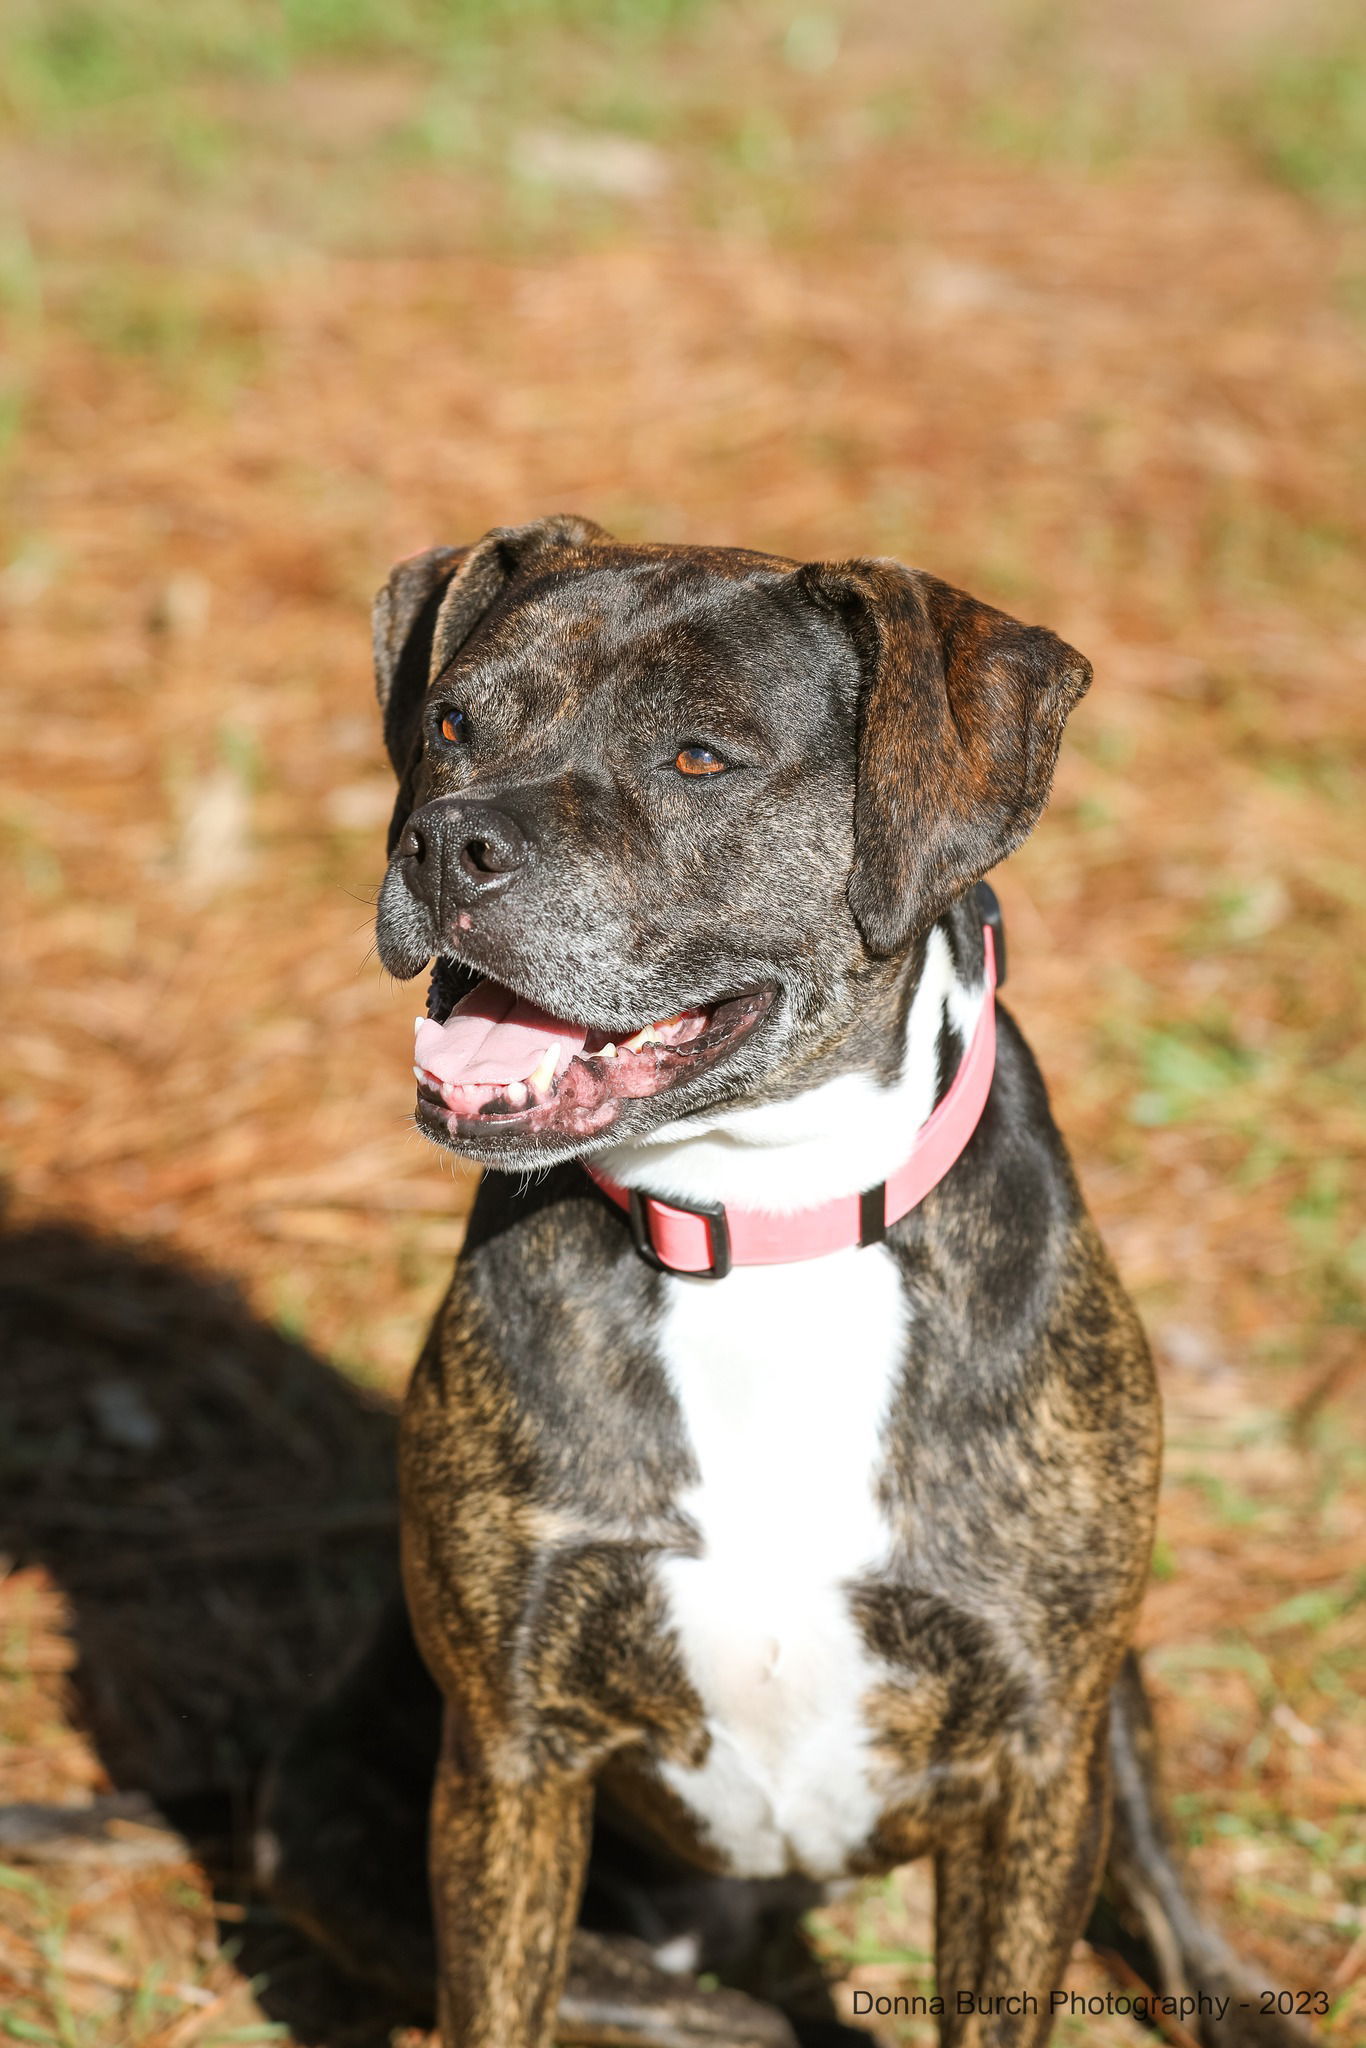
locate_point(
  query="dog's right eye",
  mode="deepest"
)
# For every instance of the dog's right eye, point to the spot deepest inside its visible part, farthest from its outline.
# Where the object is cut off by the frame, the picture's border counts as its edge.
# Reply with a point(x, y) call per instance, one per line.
point(455, 725)
point(699, 761)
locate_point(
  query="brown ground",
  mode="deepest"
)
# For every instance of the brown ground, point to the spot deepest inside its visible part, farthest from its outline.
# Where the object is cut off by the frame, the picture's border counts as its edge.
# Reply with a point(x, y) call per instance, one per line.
point(1055, 312)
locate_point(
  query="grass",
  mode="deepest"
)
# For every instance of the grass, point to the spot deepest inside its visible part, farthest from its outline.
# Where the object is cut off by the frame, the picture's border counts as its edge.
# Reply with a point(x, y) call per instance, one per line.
point(200, 94)
point(66, 57)
point(1303, 121)
point(296, 289)
point(184, 329)
point(1187, 1071)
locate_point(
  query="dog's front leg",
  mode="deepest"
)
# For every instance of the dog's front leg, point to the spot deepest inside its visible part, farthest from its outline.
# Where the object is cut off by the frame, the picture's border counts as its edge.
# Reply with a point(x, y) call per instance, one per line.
point(509, 1848)
point(1013, 1892)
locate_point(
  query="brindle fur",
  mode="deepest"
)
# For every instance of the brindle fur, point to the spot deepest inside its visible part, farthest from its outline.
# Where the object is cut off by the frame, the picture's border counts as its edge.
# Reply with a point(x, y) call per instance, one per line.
point(908, 736)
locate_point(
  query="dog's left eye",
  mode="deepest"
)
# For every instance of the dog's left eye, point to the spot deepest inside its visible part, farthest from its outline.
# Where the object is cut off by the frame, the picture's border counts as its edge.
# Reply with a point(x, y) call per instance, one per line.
point(698, 761)
point(455, 726)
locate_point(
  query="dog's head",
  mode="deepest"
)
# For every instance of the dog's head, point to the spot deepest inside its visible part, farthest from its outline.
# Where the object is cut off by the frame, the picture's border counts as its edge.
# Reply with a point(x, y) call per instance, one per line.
point(664, 812)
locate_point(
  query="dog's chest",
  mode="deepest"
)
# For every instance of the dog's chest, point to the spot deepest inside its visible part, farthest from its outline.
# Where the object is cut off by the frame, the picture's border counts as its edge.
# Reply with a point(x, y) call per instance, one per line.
point(783, 1376)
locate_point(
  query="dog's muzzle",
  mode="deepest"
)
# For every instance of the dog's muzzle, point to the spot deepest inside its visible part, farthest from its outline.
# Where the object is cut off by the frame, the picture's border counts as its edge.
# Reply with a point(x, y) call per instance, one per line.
point(457, 853)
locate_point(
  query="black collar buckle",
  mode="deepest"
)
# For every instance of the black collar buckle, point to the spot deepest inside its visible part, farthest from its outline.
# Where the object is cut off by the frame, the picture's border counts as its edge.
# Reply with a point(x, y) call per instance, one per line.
point(713, 1214)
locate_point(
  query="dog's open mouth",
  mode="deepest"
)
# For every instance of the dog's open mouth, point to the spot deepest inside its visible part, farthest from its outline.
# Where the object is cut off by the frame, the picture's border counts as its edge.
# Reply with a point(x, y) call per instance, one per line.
point(499, 1061)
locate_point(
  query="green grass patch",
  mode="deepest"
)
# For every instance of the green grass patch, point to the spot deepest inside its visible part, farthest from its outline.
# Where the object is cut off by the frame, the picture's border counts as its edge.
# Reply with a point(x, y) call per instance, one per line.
point(1318, 1608)
point(196, 339)
point(1234, 1508)
point(260, 2030)
point(1302, 120)
point(60, 58)
point(1249, 545)
point(1186, 1068)
point(1080, 119)
point(1179, 1662)
point(1042, 96)
point(1323, 1217)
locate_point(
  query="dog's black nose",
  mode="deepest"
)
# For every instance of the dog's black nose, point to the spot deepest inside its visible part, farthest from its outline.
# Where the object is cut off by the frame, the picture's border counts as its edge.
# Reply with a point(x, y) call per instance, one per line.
point(456, 853)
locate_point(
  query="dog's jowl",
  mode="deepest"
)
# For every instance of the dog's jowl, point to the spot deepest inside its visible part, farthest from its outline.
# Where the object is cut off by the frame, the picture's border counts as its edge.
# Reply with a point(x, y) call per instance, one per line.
point(779, 1474)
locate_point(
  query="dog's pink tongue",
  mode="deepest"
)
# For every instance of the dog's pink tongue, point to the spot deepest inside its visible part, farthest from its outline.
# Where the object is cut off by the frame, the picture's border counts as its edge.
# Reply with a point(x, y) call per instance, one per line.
point(493, 1036)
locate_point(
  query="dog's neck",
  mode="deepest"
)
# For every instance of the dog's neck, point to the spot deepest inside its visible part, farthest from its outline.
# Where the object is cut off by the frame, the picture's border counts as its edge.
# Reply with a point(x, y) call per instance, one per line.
point(836, 1138)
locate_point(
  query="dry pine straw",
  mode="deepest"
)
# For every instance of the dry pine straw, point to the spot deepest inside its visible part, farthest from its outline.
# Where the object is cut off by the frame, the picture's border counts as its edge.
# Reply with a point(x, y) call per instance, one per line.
point(1126, 407)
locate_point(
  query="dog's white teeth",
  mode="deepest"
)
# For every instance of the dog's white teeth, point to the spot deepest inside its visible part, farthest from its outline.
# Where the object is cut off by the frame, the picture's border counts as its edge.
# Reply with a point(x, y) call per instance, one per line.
point(653, 1034)
point(541, 1076)
point(419, 1073)
point(606, 1052)
point(518, 1094)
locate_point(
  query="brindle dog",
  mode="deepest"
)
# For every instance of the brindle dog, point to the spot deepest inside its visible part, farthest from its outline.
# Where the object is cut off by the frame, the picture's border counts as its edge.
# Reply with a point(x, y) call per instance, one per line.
point(733, 1588)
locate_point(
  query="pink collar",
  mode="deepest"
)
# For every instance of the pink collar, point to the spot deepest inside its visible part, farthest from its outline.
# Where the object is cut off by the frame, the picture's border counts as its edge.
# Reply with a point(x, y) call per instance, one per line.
point(707, 1239)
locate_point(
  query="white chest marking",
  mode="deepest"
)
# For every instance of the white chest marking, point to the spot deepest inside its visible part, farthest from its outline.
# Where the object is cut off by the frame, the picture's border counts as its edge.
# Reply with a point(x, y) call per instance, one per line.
point(839, 1137)
point(783, 1375)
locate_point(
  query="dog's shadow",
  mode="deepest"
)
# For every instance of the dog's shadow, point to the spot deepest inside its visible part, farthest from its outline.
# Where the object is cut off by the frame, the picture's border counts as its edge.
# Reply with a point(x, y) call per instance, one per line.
point(217, 1504)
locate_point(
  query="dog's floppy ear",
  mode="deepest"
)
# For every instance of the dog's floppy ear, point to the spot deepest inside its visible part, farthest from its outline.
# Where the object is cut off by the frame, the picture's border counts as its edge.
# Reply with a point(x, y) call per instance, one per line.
point(429, 607)
point(960, 719)
point(402, 620)
point(504, 554)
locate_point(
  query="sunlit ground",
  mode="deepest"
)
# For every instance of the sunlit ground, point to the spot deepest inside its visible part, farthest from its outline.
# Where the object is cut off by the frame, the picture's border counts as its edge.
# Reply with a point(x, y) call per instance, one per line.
point(1063, 304)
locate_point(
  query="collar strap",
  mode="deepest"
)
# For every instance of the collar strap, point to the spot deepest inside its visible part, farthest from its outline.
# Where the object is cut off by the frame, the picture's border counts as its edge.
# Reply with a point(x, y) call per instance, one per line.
point(706, 1239)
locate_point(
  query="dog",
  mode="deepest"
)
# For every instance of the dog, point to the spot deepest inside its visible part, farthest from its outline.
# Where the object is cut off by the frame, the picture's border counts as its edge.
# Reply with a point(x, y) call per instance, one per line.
point(779, 1477)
